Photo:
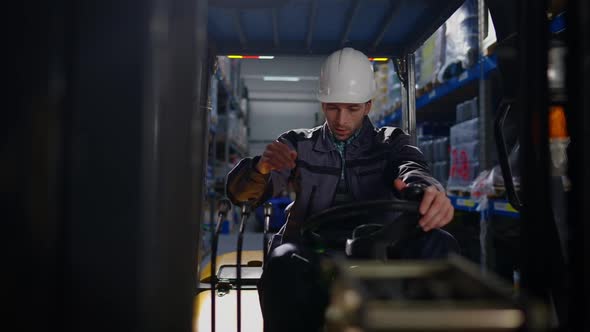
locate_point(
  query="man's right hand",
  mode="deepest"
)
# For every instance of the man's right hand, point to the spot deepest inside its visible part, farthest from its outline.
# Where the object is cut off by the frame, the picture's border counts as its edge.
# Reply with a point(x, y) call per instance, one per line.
point(276, 156)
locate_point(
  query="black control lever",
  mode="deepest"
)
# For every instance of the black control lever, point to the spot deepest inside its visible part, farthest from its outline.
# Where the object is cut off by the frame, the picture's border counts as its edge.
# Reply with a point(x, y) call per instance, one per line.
point(267, 215)
point(407, 227)
point(223, 207)
point(503, 158)
point(246, 209)
point(413, 192)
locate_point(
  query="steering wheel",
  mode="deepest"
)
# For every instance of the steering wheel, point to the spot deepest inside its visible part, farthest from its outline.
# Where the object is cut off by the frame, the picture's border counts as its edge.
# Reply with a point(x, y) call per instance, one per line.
point(369, 240)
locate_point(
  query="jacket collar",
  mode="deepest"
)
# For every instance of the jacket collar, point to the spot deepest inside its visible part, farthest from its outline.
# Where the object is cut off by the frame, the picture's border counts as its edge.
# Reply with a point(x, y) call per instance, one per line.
point(324, 142)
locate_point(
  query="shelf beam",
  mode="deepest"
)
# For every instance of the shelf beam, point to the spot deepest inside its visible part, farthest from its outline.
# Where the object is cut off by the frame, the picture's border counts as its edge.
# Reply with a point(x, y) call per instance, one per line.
point(349, 20)
point(394, 11)
point(312, 15)
point(239, 28)
point(455, 83)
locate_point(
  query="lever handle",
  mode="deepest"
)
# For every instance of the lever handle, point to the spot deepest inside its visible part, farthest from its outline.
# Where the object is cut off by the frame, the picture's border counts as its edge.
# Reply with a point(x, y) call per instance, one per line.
point(413, 192)
point(267, 215)
point(223, 206)
point(246, 209)
point(267, 209)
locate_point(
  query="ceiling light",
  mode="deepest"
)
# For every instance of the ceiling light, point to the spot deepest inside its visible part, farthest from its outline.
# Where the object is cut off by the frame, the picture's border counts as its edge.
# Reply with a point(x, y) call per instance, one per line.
point(378, 59)
point(281, 78)
point(260, 57)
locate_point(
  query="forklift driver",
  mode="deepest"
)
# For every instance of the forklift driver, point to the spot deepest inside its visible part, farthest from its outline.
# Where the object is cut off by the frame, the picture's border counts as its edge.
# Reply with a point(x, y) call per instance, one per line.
point(345, 160)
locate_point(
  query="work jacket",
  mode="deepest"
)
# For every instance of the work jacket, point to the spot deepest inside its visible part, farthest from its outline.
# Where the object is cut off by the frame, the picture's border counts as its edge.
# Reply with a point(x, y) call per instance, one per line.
point(371, 163)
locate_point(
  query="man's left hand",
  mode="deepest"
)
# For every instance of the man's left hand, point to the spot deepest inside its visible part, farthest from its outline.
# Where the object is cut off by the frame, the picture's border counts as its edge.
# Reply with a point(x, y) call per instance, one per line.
point(436, 208)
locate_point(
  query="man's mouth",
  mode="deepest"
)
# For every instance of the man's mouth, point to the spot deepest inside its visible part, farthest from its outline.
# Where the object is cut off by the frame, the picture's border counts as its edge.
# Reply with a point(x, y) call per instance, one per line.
point(341, 131)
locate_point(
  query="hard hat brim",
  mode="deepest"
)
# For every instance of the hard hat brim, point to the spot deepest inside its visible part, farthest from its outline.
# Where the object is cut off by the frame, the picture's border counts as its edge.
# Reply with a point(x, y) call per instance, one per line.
point(348, 99)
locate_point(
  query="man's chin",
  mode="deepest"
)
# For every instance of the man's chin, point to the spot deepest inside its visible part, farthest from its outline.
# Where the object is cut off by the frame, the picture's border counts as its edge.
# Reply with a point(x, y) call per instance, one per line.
point(342, 137)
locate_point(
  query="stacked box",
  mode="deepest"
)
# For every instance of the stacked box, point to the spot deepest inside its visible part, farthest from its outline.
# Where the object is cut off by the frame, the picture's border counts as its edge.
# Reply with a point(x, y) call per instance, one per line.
point(224, 65)
point(244, 106)
point(436, 153)
point(441, 149)
point(395, 87)
point(464, 153)
point(429, 58)
point(467, 110)
point(381, 100)
point(234, 128)
point(427, 150)
point(434, 129)
point(461, 36)
point(441, 171)
point(464, 131)
point(234, 78)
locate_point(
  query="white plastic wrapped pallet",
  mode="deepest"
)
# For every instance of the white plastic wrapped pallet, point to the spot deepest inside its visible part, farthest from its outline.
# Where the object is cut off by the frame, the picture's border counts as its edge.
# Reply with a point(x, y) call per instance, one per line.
point(464, 154)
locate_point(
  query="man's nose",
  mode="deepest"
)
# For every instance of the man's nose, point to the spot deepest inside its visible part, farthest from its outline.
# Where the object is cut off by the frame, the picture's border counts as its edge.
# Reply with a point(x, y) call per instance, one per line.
point(340, 118)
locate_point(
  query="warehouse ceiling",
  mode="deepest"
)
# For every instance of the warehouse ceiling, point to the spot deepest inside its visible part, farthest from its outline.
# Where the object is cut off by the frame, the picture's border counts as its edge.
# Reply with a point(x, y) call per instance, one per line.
point(319, 27)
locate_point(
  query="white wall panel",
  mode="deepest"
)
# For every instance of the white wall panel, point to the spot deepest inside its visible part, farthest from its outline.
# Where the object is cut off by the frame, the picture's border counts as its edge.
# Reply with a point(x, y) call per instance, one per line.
point(269, 119)
point(275, 107)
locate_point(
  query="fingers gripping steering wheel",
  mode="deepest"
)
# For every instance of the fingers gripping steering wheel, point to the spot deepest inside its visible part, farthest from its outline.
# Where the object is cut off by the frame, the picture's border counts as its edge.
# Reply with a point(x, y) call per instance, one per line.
point(370, 240)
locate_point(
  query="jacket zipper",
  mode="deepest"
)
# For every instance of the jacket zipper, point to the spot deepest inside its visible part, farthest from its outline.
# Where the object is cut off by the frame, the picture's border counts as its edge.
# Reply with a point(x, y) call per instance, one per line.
point(346, 182)
point(339, 178)
point(310, 201)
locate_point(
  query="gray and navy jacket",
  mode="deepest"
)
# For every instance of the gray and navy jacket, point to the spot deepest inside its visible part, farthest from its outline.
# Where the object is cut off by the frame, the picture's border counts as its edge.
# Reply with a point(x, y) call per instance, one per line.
point(371, 162)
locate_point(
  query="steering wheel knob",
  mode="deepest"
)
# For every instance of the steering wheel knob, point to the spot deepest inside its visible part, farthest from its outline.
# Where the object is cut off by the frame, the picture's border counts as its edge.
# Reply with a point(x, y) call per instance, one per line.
point(413, 192)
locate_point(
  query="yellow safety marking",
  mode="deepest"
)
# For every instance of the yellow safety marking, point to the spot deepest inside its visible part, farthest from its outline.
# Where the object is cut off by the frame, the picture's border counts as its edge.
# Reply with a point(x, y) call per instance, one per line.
point(248, 256)
point(465, 202)
point(506, 207)
point(226, 312)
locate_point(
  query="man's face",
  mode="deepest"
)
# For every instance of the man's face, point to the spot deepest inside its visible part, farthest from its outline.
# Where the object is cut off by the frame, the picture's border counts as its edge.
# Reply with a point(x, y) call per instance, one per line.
point(344, 119)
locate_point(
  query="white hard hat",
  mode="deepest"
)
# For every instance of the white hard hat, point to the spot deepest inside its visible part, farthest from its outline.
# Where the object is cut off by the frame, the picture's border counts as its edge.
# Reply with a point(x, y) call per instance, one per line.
point(347, 77)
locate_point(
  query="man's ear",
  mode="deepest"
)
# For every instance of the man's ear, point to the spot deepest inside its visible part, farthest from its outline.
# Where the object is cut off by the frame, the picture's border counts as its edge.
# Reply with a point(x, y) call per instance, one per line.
point(368, 107)
point(323, 107)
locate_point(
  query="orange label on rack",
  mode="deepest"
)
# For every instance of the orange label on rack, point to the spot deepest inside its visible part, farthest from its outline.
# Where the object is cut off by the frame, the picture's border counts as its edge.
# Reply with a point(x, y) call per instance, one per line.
point(557, 122)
